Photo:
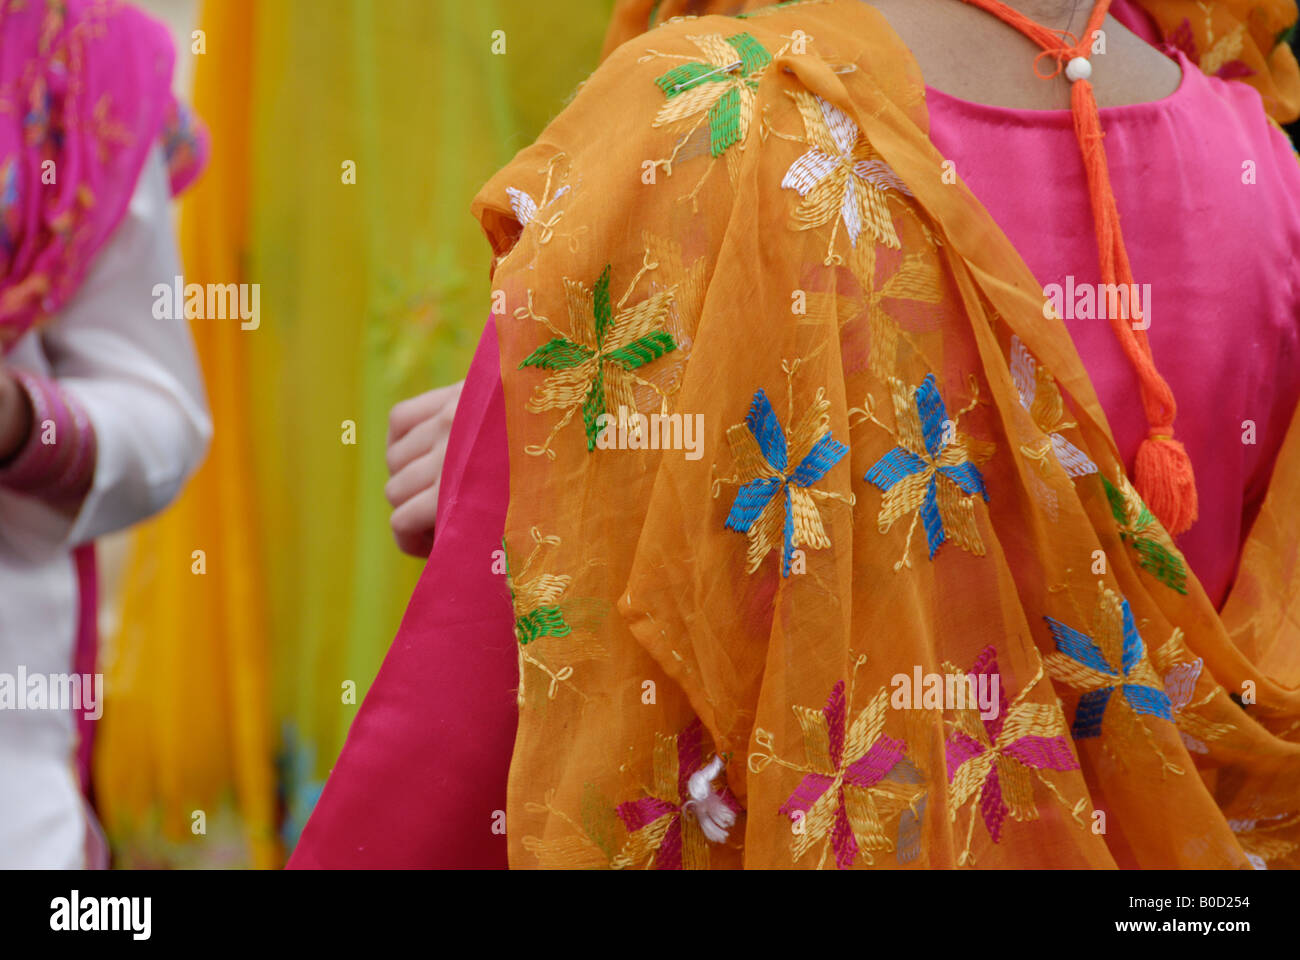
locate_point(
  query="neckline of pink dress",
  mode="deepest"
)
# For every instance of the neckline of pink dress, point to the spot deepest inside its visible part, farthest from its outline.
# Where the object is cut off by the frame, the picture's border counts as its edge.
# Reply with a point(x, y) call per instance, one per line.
point(1224, 344)
point(1063, 117)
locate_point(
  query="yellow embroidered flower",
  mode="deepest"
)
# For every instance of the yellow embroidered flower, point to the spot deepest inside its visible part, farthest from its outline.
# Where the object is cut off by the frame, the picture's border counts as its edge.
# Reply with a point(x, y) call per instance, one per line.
point(667, 828)
point(1138, 527)
point(931, 474)
point(544, 625)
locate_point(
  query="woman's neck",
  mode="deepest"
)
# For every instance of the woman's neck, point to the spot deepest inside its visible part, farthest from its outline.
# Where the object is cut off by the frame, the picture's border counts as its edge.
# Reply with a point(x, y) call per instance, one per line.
point(1056, 14)
point(1051, 12)
point(965, 51)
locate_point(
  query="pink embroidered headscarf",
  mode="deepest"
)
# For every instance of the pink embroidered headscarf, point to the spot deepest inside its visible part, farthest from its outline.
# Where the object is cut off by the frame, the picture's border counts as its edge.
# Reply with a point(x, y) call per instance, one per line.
point(85, 91)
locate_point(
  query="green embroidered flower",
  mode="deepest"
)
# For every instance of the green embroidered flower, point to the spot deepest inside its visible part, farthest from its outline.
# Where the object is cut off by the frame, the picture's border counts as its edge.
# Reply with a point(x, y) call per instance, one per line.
point(1138, 526)
point(593, 366)
point(535, 600)
point(718, 89)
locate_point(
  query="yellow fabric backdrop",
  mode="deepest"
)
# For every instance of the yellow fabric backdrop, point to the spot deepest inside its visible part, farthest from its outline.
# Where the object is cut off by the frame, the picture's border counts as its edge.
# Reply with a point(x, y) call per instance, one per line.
point(369, 292)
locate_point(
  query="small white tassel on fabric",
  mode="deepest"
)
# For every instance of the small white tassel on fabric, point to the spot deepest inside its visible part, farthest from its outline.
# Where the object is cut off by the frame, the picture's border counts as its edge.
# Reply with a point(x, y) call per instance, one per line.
point(714, 816)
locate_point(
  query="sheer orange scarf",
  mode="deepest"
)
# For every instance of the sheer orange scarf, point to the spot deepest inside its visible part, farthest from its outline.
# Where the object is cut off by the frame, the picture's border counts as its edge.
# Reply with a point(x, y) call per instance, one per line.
point(785, 542)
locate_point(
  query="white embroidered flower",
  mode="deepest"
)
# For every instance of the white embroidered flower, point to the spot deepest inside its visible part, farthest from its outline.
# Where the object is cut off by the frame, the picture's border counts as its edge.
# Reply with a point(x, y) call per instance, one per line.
point(1243, 827)
point(1179, 683)
point(841, 176)
point(1040, 396)
point(525, 207)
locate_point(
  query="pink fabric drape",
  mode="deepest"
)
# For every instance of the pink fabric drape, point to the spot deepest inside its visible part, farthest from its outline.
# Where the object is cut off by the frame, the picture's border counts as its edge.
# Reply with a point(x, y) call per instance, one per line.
point(89, 90)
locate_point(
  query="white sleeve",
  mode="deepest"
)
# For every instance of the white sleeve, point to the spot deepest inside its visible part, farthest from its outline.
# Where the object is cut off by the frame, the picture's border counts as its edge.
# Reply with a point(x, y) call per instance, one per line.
point(136, 376)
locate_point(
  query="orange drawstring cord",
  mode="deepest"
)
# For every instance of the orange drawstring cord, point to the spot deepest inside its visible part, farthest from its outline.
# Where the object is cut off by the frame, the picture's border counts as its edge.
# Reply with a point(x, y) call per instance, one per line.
point(1163, 471)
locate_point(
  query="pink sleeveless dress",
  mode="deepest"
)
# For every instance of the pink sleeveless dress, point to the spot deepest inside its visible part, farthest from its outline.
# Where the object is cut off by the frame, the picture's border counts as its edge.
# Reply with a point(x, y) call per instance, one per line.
point(424, 770)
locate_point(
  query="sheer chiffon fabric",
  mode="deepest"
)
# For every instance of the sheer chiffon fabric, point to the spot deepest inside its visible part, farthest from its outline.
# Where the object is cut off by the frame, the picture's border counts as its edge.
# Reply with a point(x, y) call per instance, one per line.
point(1215, 250)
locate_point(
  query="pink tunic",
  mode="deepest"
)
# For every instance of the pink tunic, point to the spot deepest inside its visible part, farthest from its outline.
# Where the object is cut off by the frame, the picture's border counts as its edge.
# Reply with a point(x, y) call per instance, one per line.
point(1219, 253)
point(425, 764)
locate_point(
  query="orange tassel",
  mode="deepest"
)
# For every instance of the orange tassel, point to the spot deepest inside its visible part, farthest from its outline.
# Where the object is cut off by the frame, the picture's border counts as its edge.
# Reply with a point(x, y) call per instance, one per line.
point(1163, 472)
point(1164, 480)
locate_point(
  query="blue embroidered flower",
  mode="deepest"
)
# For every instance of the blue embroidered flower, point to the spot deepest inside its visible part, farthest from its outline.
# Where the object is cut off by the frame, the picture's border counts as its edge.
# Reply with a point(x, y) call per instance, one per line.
point(776, 503)
point(1113, 656)
point(930, 472)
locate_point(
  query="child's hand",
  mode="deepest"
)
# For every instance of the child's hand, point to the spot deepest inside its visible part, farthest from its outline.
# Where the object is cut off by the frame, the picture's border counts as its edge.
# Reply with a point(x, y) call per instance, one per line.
point(417, 445)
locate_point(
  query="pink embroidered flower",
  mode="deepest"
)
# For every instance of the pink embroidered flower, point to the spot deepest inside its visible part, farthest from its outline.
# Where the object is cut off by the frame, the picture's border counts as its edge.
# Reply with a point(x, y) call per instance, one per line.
point(993, 757)
point(664, 827)
point(854, 781)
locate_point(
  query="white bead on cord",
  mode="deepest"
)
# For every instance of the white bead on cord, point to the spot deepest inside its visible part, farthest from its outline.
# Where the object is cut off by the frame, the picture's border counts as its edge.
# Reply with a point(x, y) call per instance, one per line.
point(1078, 69)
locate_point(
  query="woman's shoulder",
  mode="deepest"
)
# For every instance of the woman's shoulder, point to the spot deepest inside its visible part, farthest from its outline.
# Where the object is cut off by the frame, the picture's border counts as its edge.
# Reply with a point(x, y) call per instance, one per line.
point(681, 95)
point(679, 103)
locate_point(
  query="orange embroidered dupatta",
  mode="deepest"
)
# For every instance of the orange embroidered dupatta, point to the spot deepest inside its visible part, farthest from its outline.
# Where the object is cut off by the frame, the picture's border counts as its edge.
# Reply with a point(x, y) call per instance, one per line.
point(801, 476)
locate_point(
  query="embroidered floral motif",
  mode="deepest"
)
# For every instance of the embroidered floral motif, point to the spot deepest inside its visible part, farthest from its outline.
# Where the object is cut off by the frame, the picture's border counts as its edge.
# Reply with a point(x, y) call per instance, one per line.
point(994, 760)
point(593, 366)
point(1222, 58)
point(1041, 397)
point(715, 96)
point(1113, 657)
point(663, 831)
point(715, 92)
point(545, 213)
point(1180, 672)
point(587, 845)
point(918, 280)
point(1139, 527)
point(1264, 840)
point(688, 283)
point(538, 613)
point(111, 135)
point(840, 178)
point(931, 473)
point(526, 208)
point(776, 506)
point(856, 781)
